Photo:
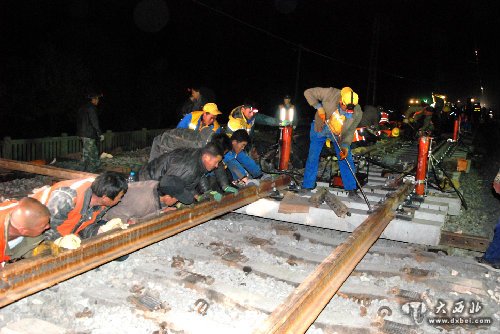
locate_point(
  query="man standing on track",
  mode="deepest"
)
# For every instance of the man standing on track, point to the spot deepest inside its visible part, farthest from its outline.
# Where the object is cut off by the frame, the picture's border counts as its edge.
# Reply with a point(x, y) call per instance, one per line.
point(340, 108)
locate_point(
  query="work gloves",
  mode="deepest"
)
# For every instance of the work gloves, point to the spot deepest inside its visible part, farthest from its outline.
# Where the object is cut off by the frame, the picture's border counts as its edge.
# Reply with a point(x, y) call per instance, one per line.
point(285, 123)
point(111, 225)
point(209, 195)
point(230, 189)
point(344, 151)
point(70, 241)
point(322, 113)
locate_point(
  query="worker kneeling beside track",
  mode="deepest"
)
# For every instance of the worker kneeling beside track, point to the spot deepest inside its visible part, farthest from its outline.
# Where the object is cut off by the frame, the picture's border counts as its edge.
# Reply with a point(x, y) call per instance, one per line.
point(341, 110)
point(77, 206)
point(189, 164)
point(238, 162)
point(21, 226)
point(148, 199)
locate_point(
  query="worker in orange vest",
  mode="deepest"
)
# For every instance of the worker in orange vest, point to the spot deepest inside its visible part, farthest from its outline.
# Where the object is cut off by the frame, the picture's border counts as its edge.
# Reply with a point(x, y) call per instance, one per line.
point(76, 205)
point(21, 226)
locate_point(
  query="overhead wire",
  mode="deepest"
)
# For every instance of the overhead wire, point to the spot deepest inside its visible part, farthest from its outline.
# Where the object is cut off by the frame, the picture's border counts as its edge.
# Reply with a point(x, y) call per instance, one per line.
point(302, 47)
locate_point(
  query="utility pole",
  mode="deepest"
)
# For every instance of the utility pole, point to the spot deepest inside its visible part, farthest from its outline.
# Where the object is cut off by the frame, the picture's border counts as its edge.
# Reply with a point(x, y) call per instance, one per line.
point(371, 89)
point(476, 52)
point(297, 72)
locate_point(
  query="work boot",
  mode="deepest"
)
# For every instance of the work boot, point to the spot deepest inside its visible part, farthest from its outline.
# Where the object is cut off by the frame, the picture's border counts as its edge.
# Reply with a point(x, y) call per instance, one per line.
point(312, 188)
point(353, 195)
point(487, 264)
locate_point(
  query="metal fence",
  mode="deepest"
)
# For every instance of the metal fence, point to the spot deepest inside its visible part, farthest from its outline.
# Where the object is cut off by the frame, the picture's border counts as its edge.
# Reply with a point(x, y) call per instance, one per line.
point(49, 148)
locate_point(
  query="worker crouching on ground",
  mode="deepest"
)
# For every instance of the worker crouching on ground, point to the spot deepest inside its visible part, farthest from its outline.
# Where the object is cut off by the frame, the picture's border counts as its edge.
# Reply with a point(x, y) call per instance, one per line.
point(189, 164)
point(340, 108)
point(147, 199)
point(173, 139)
point(199, 120)
point(21, 226)
point(76, 205)
point(238, 162)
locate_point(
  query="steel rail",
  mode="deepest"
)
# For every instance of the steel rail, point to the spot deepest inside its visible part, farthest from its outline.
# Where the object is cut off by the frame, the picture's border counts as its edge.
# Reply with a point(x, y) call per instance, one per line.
point(60, 173)
point(303, 306)
point(28, 276)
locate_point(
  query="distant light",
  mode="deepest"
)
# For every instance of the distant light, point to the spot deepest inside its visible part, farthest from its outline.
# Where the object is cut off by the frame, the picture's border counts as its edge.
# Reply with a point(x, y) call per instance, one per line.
point(472, 100)
point(458, 101)
point(425, 100)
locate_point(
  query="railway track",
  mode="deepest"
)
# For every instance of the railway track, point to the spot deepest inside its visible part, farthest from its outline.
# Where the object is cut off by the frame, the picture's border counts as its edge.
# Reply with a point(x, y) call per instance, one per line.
point(234, 275)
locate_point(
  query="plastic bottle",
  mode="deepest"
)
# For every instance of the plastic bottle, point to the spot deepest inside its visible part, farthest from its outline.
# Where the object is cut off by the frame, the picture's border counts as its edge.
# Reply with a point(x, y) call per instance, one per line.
point(131, 177)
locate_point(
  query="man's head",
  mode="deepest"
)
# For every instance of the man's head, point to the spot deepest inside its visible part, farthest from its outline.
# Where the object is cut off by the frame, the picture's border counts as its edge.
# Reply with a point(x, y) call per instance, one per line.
point(248, 110)
point(239, 140)
point(195, 93)
point(348, 99)
point(287, 99)
point(211, 155)
point(29, 218)
point(172, 189)
point(210, 113)
point(110, 188)
point(223, 141)
point(94, 97)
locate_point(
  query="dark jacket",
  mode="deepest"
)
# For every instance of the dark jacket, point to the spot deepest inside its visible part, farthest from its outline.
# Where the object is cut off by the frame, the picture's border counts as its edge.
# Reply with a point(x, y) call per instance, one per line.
point(87, 122)
point(174, 139)
point(178, 138)
point(192, 105)
point(219, 176)
point(185, 163)
point(371, 116)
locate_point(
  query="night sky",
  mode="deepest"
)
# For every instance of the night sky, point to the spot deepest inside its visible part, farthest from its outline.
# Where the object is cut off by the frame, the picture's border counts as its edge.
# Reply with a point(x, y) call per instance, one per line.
point(143, 55)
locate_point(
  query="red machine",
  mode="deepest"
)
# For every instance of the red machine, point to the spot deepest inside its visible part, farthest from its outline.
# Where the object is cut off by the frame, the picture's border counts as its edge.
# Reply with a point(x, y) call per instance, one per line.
point(423, 152)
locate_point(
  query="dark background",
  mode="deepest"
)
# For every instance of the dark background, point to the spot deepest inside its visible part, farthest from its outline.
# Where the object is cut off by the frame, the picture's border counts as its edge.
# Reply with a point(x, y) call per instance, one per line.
point(143, 55)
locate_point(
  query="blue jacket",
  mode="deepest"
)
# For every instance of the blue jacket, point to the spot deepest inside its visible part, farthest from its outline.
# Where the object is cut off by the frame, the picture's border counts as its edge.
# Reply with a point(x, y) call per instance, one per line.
point(241, 165)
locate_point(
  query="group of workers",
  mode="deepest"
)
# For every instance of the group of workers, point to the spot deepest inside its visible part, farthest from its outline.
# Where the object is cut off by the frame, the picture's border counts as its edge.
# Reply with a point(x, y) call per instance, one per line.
point(196, 161)
point(185, 166)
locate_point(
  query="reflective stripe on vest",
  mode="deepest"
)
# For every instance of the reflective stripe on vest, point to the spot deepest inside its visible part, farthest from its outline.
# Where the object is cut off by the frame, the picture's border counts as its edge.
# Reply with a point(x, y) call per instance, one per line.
point(75, 215)
point(238, 121)
point(384, 118)
point(357, 136)
point(5, 211)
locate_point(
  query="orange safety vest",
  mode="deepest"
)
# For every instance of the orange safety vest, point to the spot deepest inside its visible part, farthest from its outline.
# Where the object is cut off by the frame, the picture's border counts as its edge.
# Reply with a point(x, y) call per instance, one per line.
point(197, 124)
point(384, 118)
point(5, 210)
point(357, 135)
point(74, 222)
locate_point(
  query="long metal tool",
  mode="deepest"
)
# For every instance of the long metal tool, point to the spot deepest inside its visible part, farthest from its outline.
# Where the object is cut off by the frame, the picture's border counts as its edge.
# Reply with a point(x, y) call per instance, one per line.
point(349, 165)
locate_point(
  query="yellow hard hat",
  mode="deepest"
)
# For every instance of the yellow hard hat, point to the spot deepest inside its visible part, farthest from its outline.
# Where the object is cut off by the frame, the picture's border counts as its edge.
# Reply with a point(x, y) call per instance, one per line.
point(395, 132)
point(211, 108)
point(348, 96)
